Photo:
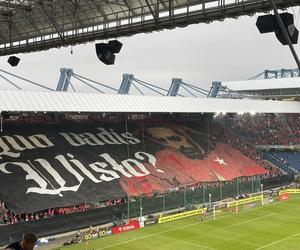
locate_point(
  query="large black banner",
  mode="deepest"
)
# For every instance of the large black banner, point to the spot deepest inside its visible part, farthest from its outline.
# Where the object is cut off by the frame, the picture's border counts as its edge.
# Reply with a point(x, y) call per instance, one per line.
point(46, 166)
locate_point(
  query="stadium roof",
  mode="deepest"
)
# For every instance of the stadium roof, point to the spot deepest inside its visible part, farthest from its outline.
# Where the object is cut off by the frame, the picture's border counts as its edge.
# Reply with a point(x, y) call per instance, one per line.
point(33, 25)
point(30, 101)
point(264, 84)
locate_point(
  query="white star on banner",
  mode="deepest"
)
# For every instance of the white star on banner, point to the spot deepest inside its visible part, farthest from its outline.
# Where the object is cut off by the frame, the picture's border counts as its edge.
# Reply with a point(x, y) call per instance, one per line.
point(221, 161)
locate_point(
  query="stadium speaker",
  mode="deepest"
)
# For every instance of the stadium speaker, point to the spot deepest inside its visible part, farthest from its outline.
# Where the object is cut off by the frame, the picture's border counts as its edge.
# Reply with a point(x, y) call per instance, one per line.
point(108, 58)
point(268, 23)
point(106, 51)
point(287, 19)
point(293, 34)
point(100, 48)
point(288, 22)
point(13, 61)
point(265, 24)
point(114, 46)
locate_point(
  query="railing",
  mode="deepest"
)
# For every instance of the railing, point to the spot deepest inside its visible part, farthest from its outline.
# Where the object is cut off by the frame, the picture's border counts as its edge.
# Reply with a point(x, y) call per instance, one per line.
point(207, 193)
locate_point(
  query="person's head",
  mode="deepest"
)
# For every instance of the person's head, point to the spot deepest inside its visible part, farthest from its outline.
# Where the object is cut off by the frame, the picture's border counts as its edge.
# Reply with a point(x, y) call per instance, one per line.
point(29, 241)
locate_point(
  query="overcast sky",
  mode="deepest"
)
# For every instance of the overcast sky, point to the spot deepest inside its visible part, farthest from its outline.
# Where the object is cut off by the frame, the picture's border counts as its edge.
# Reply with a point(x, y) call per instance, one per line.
point(228, 50)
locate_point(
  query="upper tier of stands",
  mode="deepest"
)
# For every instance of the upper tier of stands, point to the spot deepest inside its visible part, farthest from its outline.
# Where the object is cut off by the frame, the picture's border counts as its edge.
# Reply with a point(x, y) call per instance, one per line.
point(265, 129)
point(275, 159)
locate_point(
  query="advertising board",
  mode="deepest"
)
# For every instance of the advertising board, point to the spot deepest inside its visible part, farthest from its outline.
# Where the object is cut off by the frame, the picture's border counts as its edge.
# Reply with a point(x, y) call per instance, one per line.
point(132, 225)
point(181, 215)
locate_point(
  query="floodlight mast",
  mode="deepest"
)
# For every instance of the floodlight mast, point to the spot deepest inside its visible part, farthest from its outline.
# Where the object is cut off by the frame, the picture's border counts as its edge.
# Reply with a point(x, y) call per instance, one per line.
point(285, 33)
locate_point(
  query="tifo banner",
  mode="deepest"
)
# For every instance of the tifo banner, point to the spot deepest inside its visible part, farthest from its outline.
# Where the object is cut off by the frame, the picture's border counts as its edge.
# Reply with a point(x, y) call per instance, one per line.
point(181, 215)
point(289, 191)
point(72, 163)
point(284, 197)
point(132, 225)
point(245, 201)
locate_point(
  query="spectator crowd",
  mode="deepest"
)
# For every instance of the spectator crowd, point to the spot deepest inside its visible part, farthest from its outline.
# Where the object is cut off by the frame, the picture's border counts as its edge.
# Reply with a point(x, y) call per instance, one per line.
point(7, 217)
point(265, 129)
point(243, 132)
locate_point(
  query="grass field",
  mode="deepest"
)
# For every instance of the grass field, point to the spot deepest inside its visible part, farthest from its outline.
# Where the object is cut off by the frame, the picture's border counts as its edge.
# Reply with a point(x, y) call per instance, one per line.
point(273, 226)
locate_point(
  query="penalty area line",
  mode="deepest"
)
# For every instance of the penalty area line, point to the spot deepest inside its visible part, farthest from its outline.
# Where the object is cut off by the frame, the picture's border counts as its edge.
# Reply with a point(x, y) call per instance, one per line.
point(162, 232)
point(246, 221)
point(278, 241)
point(186, 226)
point(193, 224)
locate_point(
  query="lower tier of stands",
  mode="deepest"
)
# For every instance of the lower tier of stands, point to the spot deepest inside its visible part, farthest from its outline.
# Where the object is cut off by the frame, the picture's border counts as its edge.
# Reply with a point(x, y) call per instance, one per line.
point(280, 162)
point(71, 222)
point(292, 158)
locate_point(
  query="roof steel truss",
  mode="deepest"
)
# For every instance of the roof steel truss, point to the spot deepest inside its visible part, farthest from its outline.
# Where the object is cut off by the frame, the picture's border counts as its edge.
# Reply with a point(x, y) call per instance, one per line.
point(32, 25)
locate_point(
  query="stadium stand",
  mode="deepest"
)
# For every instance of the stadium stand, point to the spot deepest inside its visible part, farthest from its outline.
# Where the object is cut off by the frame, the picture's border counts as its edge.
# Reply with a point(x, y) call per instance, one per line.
point(69, 159)
point(265, 129)
point(278, 161)
point(291, 159)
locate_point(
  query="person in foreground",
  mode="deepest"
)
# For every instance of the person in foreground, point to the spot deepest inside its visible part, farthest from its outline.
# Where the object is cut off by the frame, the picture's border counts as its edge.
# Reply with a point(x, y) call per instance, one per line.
point(27, 243)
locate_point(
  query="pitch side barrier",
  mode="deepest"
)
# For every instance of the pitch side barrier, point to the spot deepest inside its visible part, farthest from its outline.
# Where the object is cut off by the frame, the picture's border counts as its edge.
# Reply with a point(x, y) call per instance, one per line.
point(135, 224)
point(245, 201)
point(289, 191)
point(181, 215)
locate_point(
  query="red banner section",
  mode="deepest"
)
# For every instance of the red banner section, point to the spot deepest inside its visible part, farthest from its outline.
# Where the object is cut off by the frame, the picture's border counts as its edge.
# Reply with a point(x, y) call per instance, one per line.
point(283, 197)
point(132, 225)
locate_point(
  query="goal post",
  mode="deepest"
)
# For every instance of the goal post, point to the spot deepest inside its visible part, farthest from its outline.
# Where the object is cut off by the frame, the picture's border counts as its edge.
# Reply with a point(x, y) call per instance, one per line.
point(236, 205)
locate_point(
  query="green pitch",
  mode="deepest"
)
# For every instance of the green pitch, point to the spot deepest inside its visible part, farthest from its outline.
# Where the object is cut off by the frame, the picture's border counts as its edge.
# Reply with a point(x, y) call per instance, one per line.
point(273, 226)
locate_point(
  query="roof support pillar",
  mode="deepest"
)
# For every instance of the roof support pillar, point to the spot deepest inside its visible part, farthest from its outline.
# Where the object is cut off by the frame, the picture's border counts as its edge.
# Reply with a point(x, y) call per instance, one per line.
point(267, 72)
point(64, 79)
point(126, 84)
point(214, 90)
point(174, 88)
